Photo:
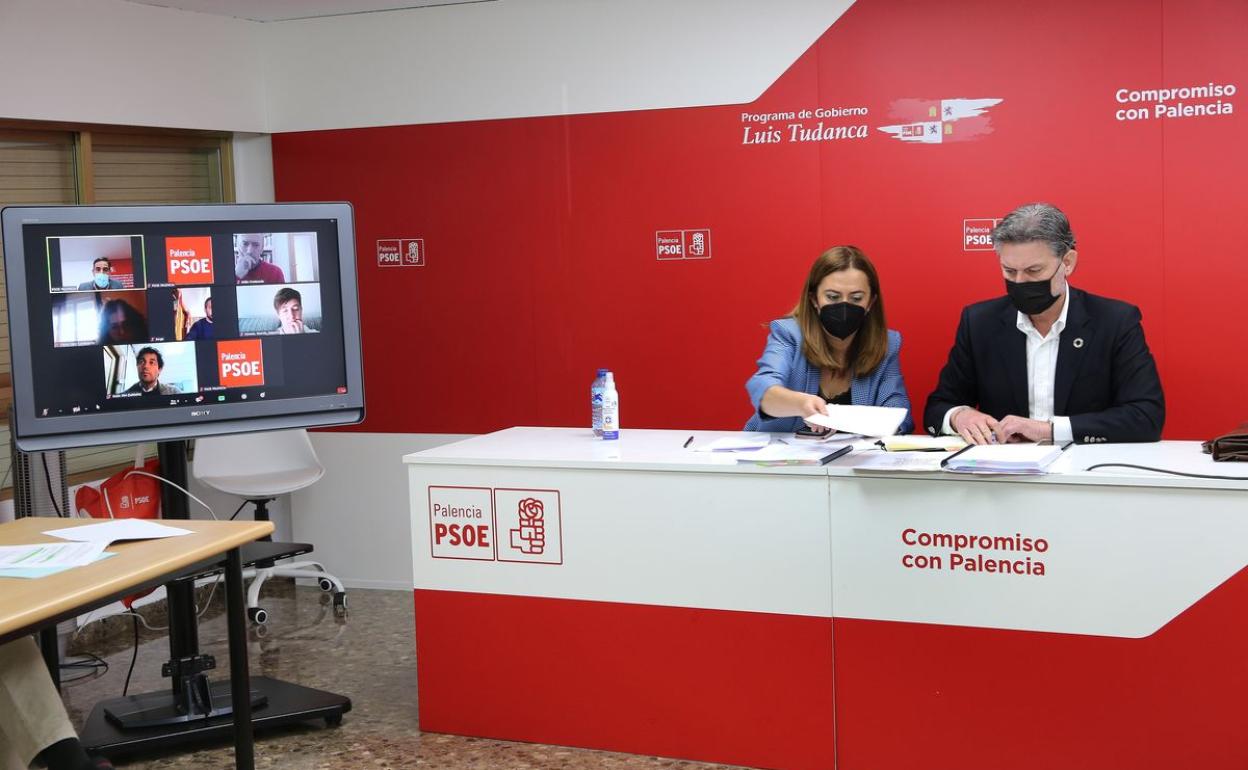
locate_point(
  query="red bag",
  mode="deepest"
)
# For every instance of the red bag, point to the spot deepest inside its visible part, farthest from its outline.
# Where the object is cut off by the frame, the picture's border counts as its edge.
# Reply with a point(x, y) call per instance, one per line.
point(129, 496)
point(125, 495)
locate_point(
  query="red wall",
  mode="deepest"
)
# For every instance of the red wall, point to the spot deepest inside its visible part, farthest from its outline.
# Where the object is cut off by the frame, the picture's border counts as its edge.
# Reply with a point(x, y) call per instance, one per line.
point(539, 232)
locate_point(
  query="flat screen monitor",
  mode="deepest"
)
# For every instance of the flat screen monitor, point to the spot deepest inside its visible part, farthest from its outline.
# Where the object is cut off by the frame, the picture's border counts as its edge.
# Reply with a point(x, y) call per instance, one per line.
point(155, 323)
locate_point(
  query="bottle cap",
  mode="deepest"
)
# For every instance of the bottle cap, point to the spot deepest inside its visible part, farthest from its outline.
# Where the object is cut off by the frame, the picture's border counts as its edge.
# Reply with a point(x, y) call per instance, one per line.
point(603, 372)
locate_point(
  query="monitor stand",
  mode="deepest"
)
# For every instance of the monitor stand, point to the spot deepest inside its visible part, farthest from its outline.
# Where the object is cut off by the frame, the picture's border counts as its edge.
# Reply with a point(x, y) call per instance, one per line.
point(195, 709)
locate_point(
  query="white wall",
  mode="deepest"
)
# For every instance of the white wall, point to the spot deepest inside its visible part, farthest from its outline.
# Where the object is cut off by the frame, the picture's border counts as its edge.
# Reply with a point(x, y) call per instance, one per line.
point(535, 57)
point(357, 514)
point(116, 62)
point(253, 168)
point(108, 61)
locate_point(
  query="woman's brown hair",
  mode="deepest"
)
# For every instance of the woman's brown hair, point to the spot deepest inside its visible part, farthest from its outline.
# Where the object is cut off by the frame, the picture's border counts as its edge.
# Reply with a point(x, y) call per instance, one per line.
point(870, 344)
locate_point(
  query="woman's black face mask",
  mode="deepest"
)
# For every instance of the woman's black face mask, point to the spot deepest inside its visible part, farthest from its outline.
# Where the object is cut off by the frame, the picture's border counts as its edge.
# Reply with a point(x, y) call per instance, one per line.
point(842, 319)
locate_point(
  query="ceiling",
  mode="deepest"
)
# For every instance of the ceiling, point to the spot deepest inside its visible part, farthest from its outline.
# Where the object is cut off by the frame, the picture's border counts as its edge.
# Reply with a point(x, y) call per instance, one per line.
point(289, 10)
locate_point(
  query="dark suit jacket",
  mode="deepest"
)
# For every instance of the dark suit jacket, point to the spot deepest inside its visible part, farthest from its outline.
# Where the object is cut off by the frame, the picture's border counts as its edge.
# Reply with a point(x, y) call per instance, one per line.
point(1106, 382)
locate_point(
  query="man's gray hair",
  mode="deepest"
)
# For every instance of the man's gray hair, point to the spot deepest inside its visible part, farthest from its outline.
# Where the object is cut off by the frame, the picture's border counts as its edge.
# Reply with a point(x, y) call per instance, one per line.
point(1033, 222)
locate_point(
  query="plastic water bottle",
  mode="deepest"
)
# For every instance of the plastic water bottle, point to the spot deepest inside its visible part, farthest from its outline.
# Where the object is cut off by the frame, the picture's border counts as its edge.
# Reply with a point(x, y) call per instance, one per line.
point(595, 402)
point(610, 409)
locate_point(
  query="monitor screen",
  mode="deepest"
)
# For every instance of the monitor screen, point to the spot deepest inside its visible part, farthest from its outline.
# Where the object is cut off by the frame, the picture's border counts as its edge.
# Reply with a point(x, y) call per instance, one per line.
point(143, 323)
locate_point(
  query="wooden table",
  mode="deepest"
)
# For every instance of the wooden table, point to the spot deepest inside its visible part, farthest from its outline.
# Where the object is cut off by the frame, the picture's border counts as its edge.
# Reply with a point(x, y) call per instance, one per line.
point(26, 606)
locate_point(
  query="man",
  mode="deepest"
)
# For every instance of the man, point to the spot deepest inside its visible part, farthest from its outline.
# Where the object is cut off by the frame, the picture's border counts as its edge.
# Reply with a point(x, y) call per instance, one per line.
point(289, 306)
point(1047, 361)
point(35, 725)
point(101, 277)
point(249, 264)
point(150, 363)
point(202, 329)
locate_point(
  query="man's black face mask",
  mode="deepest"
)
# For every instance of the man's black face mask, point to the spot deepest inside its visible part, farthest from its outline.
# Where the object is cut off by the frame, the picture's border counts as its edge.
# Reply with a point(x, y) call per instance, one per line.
point(1032, 297)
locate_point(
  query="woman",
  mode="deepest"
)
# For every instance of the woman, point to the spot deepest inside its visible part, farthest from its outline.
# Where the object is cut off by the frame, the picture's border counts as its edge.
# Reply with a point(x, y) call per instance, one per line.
point(834, 348)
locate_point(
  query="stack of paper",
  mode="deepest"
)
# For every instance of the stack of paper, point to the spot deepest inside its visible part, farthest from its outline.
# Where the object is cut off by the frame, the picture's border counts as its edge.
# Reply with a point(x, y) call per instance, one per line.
point(1004, 458)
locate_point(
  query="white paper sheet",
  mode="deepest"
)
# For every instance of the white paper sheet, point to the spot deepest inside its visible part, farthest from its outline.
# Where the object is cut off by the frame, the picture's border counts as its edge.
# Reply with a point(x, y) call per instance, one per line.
point(117, 530)
point(740, 442)
point(865, 420)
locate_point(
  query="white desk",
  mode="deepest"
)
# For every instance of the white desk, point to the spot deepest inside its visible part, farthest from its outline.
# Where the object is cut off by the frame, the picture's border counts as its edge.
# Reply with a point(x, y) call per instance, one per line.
point(684, 605)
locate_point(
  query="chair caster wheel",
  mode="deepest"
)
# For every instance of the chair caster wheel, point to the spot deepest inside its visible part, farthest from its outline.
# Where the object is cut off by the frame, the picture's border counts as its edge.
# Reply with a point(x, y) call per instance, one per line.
point(326, 584)
point(333, 720)
point(340, 603)
point(258, 615)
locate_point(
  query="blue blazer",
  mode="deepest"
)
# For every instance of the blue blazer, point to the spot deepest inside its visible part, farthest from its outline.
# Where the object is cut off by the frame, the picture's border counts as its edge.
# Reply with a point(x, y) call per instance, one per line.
point(784, 364)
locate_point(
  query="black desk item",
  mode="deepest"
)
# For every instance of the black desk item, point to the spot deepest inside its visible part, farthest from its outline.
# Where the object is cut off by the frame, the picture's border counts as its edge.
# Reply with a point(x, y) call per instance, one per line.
point(196, 709)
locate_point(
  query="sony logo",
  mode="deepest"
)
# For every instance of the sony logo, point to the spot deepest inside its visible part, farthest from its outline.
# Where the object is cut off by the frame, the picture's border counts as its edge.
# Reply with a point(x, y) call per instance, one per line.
point(201, 412)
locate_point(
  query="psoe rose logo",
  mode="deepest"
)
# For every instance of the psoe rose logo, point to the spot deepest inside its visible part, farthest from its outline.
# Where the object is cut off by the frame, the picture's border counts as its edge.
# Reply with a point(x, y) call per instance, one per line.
point(530, 526)
point(530, 536)
point(939, 121)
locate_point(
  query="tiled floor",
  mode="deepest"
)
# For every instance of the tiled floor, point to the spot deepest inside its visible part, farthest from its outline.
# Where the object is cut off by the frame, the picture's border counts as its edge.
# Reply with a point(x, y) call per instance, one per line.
point(370, 657)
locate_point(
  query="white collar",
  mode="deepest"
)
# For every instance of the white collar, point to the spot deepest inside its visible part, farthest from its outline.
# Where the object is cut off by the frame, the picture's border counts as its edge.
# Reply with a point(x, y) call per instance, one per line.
point(1025, 325)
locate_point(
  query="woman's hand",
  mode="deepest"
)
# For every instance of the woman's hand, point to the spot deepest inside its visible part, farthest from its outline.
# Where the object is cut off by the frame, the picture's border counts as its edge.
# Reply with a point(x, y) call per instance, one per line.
point(809, 405)
point(779, 401)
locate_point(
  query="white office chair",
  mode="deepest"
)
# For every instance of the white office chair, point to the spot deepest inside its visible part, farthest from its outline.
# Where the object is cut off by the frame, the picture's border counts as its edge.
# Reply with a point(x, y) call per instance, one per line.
point(259, 467)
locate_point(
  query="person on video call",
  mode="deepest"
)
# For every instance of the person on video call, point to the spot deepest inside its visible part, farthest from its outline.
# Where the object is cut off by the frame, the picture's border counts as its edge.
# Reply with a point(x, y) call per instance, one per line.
point(35, 725)
point(249, 264)
point(121, 324)
point(101, 277)
point(1047, 361)
point(288, 304)
point(202, 329)
point(150, 363)
point(834, 347)
point(181, 316)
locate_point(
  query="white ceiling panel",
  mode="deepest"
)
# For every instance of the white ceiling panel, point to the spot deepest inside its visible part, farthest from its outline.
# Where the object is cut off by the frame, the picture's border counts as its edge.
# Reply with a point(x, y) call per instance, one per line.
point(290, 10)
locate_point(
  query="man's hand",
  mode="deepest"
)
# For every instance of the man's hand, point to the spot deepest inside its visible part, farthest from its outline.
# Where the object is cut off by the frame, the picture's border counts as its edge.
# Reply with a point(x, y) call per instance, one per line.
point(974, 426)
point(1014, 428)
point(243, 265)
point(292, 327)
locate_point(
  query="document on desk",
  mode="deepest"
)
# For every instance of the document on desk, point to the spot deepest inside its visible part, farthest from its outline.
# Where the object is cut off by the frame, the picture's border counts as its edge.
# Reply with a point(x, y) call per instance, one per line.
point(920, 443)
point(30, 573)
point(908, 462)
point(797, 453)
point(740, 442)
point(1004, 458)
point(864, 420)
point(116, 530)
point(45, 555)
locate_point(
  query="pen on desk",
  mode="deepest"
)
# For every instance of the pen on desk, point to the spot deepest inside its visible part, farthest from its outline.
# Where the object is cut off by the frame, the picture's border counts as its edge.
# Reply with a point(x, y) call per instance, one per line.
point(838, 453)
point(688, 441)
point(945, 462)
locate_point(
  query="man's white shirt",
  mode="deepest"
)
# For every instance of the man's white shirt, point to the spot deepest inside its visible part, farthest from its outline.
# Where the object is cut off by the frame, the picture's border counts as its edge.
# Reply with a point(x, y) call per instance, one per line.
point(1041, 374)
